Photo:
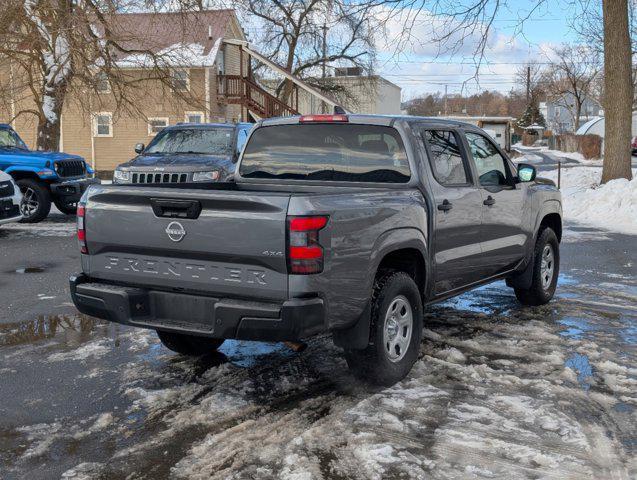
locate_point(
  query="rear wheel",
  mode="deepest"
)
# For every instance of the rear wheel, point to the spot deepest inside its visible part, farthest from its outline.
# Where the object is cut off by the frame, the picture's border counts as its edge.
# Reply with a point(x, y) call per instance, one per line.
point(36, 200)
point(546, 268)
point(396, 331)
point(188, 344)
point(68, 208)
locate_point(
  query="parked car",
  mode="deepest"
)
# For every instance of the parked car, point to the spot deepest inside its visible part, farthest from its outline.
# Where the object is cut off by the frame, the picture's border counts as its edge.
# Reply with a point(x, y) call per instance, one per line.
point(187, 152)
point(43, 177)
point(10, 198)
point(348, 224)
point(633, 146)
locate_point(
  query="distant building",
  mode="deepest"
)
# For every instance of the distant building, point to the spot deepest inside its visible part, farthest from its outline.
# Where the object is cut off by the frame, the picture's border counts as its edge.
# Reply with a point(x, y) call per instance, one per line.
point(498, 128)
point(559, 117)
point(597, 126)
point(365, 94)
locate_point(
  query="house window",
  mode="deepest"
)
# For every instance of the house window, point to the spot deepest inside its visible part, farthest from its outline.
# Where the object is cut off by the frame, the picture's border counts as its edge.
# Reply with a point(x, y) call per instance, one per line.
point(103, 124)
point(101, 83)
point(194, 117)
point(180, 80)
point(155, 125)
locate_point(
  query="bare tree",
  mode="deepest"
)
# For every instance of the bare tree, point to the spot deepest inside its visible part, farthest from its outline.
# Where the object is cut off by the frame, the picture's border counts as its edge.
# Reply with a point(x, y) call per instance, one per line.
point(56, 51)
point(473, 21)
point(570, 79)
point(306, 36)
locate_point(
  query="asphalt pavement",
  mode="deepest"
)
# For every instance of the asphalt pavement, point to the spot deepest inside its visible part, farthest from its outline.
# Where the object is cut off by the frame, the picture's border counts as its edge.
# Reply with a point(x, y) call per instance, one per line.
point(499, 391)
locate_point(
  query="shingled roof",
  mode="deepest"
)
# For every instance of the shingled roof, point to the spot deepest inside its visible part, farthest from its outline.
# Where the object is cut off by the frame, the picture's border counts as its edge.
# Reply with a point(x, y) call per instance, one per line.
point(190, 39)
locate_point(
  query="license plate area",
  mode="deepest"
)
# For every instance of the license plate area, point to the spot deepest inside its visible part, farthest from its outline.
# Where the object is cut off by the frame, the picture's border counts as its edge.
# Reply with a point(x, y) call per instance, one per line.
point(175, 310)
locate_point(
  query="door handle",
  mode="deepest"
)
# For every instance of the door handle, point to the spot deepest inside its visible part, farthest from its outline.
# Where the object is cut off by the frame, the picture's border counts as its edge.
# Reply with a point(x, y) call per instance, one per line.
point(445, 206)
point(489, 201)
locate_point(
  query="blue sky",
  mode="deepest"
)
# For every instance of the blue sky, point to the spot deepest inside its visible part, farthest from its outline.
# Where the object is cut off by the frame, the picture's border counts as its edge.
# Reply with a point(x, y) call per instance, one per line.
point(420, 68)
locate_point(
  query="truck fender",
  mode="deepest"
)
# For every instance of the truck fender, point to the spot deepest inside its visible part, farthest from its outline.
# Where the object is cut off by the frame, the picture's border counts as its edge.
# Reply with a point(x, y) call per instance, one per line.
point(524, 278)
point(32, 170)
point(356, 337)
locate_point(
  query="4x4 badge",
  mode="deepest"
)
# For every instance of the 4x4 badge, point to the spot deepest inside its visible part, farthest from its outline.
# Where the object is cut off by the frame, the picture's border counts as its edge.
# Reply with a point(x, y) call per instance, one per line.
point(175, 231)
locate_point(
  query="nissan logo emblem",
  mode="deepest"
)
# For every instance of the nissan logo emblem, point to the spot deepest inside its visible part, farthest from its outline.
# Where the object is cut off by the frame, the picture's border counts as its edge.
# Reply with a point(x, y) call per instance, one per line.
point(175, 231)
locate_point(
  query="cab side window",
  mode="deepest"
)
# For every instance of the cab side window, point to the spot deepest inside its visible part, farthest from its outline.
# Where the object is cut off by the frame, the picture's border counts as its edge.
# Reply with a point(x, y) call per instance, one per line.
point(445, 157)
point(491, 166)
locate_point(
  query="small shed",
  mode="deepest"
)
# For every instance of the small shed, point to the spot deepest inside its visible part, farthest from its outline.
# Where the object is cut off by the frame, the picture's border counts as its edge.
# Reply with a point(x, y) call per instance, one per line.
point(498, 128)
point(597, 125)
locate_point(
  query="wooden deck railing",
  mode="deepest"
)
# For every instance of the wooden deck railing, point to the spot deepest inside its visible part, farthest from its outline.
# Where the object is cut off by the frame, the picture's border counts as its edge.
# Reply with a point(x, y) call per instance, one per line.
point(241, 90)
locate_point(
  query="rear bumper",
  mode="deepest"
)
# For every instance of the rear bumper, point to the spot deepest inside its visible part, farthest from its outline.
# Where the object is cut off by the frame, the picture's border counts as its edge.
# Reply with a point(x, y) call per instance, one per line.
point(10, 208)
point(72, 190)
point(198, 314)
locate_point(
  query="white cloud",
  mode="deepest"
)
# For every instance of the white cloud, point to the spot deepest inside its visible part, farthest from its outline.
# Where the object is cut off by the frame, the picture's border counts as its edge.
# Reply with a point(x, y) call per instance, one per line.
point(422, 52)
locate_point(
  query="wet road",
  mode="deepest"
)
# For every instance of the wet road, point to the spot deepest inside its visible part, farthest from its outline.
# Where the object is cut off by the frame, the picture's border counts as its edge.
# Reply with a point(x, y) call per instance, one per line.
point(500, 391)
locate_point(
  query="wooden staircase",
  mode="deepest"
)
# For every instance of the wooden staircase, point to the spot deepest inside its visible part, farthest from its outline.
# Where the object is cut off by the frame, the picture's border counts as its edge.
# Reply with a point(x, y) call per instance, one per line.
point(240, 90)
point(243, 90)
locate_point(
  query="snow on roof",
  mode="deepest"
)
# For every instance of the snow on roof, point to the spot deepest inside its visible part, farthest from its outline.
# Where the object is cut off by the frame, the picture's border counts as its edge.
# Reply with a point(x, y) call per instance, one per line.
point(185, 40)
point(178, 55)
point(535, 126)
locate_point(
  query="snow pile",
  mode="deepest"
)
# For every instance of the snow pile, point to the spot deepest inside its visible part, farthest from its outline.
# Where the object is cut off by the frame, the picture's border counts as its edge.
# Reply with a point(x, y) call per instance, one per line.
point(612, 206)
point(96, 349)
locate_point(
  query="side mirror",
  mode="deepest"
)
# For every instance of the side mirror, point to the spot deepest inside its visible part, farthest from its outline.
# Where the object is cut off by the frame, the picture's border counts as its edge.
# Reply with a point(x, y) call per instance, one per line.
point(526, 172)
point(139, 148)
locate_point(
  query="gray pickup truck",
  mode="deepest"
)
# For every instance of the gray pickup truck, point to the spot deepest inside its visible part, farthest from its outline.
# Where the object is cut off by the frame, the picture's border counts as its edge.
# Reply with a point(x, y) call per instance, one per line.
point(348, 224)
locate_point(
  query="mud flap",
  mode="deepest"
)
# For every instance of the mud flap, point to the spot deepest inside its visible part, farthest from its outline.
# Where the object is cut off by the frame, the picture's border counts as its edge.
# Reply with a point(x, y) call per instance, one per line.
point(522, 279)
point(355, 337)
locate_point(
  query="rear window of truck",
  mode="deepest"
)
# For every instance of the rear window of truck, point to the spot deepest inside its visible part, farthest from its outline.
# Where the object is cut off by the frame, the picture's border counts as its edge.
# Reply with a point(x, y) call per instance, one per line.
point(329, 152)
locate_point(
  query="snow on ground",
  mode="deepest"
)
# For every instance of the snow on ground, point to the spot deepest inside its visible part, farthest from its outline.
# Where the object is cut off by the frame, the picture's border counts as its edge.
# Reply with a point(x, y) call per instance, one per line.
point(612, 206)
point(527, 152)
point(499, 391)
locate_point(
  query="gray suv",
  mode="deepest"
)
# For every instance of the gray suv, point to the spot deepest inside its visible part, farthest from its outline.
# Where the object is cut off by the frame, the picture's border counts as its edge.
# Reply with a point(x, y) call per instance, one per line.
point(187, 153)
point(348, 224)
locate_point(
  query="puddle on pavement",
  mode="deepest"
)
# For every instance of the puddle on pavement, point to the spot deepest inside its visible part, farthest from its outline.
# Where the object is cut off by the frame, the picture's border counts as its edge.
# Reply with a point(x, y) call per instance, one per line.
point(246, 354)
point(576, 327)
point(582, 367)
point(46, 327)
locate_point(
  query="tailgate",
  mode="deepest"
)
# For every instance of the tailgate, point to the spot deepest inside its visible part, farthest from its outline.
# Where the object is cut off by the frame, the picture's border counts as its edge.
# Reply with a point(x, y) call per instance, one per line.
point(234, 246)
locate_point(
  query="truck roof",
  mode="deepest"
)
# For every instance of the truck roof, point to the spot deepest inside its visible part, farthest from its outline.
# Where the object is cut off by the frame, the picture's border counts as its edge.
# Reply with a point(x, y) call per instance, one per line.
point(204, 126)
point(372, 120)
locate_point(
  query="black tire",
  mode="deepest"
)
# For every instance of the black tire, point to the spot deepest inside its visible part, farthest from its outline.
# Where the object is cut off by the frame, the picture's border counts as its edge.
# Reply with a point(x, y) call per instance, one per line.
point(542, 291)
point(36, 203)
point(67, 208)
point(189, 344)
point(373, 364)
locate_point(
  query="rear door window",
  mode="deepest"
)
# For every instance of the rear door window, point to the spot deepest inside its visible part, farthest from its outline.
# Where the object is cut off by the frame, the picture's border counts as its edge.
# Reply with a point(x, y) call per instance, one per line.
point(328, 152)
point(446, 158)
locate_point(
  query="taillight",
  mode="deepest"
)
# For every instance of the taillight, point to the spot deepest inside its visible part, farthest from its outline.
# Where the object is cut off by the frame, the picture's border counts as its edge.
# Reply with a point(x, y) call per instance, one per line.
point(323, 119)
point(81, 232)
point(305, 254)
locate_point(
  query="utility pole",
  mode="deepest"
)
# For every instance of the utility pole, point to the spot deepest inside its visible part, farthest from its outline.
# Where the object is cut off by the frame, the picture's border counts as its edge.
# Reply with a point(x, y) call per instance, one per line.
point(445, 100)
point(528, 83)
point(328, 6)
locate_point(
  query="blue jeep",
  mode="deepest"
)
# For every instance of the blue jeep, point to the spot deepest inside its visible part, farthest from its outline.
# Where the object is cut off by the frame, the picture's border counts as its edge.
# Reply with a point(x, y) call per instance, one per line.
point(43, 177)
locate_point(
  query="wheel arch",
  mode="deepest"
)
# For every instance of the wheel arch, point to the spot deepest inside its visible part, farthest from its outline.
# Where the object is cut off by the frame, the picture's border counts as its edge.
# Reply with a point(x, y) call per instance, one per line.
point(392, 251)
point(553, 221)
point(21, 174)
point(405, 250)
